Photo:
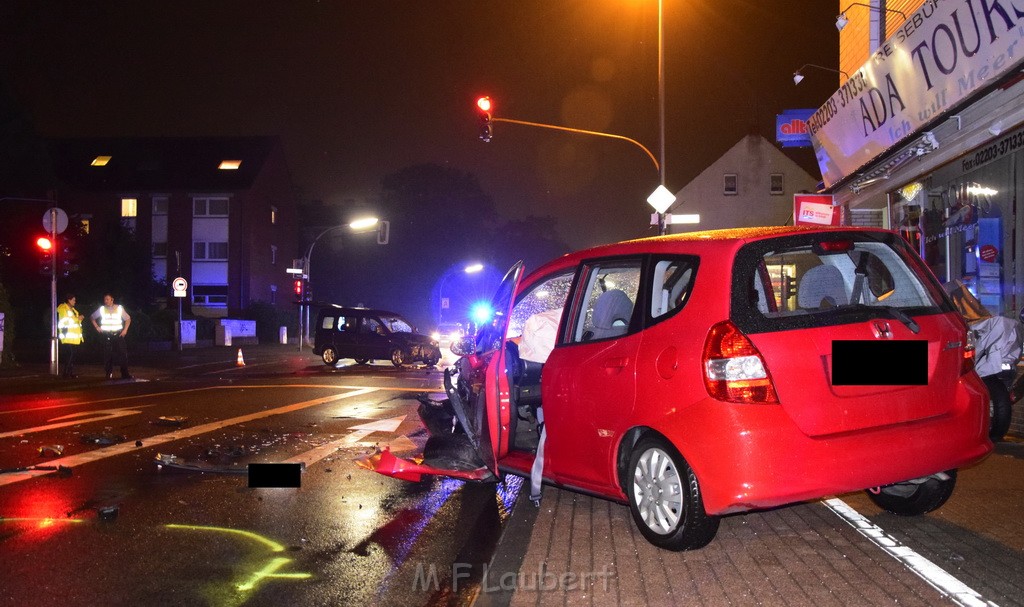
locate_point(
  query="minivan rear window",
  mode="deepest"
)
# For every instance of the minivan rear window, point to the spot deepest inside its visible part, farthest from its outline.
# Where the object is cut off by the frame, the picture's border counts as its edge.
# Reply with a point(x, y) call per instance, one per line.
point(827, 279)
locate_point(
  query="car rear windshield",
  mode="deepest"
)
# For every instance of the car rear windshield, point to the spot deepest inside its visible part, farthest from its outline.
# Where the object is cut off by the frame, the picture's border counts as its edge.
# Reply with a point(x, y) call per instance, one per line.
point(821, 279)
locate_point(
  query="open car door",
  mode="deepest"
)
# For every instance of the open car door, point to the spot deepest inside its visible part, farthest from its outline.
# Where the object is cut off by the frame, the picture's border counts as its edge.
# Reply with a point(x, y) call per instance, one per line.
point(469, 429)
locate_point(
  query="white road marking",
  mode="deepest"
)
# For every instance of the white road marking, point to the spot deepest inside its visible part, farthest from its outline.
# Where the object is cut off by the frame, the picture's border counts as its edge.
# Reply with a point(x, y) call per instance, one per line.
point(356, 434)
point(98, 454)
point(936, 576)
point(93, 416)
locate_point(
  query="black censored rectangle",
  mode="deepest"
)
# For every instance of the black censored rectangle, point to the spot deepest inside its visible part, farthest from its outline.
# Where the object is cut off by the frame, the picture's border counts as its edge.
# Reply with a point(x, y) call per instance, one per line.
point(879, 363)
point(265, 476)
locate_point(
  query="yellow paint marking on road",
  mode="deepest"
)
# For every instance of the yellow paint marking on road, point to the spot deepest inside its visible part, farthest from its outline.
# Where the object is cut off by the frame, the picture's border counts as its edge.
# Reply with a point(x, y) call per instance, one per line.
point(98, 454)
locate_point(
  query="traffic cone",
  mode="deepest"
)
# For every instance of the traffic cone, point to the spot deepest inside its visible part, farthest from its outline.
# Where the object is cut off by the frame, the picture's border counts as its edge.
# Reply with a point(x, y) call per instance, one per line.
point(240, 362)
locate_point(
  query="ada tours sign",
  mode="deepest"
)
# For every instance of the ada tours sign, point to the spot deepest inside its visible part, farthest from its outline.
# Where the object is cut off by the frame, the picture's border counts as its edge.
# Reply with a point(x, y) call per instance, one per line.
point(941, 55)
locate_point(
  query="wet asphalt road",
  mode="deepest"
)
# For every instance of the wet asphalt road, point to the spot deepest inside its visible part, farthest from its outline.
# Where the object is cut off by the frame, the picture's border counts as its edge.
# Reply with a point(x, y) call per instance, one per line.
point(123, 529)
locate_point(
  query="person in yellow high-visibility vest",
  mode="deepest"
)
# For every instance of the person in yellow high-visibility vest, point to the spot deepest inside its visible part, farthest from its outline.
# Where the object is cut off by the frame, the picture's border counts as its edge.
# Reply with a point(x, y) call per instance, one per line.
point(69, 331)
point(112, 322)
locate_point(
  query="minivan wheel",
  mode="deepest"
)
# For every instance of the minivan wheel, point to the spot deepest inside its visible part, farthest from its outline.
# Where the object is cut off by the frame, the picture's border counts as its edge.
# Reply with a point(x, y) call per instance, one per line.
point(665, 498)
point(397, 358)
point(1000, 408)
point(913, 498)
point(330, 356)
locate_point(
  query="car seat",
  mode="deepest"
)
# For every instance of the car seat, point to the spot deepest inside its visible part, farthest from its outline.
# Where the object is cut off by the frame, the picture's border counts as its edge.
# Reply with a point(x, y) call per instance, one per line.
point(612, 312)
point(822, 287)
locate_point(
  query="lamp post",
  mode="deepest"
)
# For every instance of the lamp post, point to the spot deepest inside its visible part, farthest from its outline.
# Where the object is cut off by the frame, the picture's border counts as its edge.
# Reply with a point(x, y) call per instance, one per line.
point(472, 268)
point(358, 225)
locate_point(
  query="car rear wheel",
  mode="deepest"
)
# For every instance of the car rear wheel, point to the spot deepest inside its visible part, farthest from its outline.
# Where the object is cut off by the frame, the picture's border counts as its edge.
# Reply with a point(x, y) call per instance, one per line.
point(362, 361)
point(1000, 408)
point(665, 498)
point(397, 357)
point(330, 356)
point(916, 497)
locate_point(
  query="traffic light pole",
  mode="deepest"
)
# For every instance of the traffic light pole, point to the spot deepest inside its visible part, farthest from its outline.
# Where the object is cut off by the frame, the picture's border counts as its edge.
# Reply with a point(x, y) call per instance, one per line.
point(54, 350)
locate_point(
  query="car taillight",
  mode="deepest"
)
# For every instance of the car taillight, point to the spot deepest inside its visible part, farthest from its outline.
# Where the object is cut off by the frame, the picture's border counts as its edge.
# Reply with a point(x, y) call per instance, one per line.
point(968, 360)
point(734, 370)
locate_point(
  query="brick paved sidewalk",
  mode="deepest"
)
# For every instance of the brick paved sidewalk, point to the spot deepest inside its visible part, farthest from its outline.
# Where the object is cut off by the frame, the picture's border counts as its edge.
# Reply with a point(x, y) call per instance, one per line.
point(579, 550)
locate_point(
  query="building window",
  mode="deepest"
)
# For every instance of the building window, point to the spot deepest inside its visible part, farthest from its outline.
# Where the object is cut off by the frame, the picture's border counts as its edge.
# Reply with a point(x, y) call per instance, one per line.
point(778, 184)
point(159, 249)
point(129, 207)
point(731, 189)
point(210, 207)
point(160, 205)
point(273, 294)
point(273, 215)
point(273, 255)
point(214, 251)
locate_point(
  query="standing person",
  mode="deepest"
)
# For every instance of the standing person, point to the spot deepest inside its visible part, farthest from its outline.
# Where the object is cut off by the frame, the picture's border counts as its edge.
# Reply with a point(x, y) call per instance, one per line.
point(112, 322)
point(69, 328)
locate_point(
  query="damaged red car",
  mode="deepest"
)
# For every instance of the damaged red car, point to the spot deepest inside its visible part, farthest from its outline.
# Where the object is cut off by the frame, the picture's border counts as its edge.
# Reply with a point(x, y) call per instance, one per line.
point(697, 375)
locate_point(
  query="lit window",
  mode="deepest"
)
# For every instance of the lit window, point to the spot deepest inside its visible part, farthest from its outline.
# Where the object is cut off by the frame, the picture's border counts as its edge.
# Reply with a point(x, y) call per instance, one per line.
point(229, 165)
point(100, 161)
point(129, 207)
point(273, 215)
point(731, 188)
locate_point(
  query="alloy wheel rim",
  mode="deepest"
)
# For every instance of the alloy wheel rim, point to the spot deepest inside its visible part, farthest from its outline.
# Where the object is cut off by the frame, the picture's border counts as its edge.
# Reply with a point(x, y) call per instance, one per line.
point(657, 491)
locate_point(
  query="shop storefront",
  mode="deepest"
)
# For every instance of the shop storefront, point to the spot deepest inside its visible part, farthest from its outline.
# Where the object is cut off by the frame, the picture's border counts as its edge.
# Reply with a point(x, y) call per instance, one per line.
point(931, 131)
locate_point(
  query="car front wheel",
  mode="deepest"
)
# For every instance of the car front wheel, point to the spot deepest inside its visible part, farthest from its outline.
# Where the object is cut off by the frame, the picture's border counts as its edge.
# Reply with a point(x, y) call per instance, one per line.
point(915, 497)
point(330, 356)
point(665, 498)
point(397, 358)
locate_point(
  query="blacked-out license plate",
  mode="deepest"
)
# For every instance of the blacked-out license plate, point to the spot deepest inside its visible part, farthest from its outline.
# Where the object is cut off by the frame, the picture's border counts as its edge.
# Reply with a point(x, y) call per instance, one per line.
point(879, 362)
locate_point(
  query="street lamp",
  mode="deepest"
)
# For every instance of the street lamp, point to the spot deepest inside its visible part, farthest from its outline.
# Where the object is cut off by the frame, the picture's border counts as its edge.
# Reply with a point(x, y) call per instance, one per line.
point(444, 303)
point(362, 224)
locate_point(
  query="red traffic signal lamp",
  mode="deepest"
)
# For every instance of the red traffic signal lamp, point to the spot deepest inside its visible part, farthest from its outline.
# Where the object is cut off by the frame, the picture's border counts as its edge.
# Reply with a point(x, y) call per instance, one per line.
point(297, 289)
point(483, 106)
point(45, 246)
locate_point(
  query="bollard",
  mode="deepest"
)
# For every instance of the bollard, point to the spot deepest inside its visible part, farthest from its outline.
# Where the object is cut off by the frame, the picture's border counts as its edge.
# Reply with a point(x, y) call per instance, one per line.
point(283, 336)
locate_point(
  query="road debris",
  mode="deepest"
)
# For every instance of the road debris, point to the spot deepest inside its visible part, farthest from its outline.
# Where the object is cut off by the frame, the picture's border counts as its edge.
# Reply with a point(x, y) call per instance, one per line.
point(62, 471)
point(171, 461)
point(51, 450)
point(170, 420)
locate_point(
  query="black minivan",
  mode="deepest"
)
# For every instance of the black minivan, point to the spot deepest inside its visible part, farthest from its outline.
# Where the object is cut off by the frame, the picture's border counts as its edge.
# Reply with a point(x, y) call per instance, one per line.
point(367, 335)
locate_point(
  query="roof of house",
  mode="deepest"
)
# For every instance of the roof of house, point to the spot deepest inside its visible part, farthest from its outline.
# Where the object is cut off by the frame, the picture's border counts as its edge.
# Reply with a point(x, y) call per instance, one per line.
point(159, 163)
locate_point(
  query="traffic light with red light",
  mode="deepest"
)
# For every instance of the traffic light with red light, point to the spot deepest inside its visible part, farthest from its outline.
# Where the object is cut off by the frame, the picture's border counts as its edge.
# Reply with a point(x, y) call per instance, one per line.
point(483, 106)
point(45, 246)
point(297, 289)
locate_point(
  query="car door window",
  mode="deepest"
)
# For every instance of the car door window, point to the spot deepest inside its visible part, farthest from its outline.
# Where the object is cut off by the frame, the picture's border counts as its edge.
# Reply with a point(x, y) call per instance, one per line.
point(327, 322)
point(609, 292)
point(534, 321)
point(671, 283)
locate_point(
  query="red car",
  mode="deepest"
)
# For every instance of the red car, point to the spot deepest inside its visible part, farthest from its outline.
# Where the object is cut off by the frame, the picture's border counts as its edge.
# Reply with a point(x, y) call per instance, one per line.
point(702, 374)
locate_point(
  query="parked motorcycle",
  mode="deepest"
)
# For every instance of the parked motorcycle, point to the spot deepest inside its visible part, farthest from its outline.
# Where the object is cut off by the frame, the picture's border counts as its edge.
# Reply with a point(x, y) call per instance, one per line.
point(998, 347)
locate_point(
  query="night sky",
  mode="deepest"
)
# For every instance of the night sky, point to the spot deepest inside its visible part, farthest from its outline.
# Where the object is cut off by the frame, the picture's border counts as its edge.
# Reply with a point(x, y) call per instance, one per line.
point(358, 90)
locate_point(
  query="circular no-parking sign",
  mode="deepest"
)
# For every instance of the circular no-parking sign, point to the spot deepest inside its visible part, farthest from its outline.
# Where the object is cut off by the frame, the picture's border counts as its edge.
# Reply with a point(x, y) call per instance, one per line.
point(179, 285)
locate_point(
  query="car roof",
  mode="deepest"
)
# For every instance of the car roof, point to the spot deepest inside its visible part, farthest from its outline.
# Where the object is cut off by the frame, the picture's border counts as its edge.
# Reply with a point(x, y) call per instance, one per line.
point(335, 308)
point(712, 243)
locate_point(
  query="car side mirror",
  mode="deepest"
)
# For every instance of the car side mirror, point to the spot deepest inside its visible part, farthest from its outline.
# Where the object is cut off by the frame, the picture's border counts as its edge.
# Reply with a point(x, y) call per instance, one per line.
point(463, 346)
